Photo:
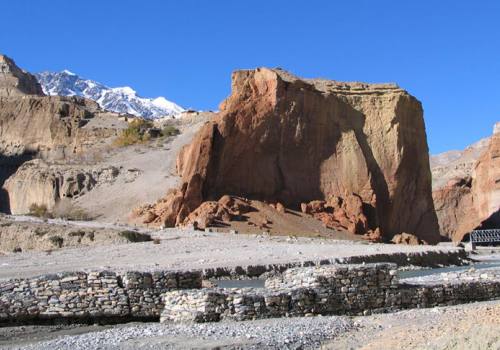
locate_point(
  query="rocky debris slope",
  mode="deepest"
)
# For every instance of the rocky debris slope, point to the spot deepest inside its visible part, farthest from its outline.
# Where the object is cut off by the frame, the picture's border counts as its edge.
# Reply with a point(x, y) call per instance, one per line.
point(120, 99)
point(15, 81)
point(471, 197)
point(290, 141)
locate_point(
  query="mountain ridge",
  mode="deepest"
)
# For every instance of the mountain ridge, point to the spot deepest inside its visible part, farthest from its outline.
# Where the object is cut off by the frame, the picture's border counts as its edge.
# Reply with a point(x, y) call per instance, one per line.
point(116, 99)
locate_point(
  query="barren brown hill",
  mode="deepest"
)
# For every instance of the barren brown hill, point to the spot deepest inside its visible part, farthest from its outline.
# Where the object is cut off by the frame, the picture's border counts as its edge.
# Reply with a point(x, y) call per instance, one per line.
point(358, 149)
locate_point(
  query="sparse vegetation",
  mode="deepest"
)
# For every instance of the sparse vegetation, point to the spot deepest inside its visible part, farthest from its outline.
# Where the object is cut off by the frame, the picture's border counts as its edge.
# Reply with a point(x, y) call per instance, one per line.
point(156, 241)
point(40, 232)
point(91, 235)
point(39, 210)
point(134, 134)
point(57, 241)
point(134, 236)
point(170, 130)
point(79, 233)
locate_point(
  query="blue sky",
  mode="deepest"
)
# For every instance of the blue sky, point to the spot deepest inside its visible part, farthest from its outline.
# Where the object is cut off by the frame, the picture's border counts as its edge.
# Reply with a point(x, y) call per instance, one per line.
point(446, 53)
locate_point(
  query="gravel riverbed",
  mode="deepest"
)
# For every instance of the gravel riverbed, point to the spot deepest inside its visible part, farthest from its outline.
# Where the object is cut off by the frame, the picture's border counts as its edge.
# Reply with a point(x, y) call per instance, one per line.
point(287, 333)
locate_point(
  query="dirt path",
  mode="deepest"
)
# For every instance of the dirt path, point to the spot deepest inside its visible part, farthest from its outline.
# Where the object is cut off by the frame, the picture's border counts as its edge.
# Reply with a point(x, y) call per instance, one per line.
point(184, 249)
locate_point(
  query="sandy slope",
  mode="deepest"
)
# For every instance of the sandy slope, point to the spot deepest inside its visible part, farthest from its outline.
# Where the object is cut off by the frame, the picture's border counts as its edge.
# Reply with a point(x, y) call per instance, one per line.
point(154, 164)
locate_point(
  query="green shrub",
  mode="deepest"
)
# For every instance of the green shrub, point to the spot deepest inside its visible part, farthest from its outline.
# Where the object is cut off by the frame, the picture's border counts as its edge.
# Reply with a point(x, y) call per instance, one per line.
point(170, 130)
point(134, 133)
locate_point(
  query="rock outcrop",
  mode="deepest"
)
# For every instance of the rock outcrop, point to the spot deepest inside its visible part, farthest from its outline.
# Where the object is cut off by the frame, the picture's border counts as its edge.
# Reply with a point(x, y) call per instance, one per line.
point(49, 126)
point(282, 139)
point(37, 182)
point(15, 81)
point(52, 128)
point(471, 199)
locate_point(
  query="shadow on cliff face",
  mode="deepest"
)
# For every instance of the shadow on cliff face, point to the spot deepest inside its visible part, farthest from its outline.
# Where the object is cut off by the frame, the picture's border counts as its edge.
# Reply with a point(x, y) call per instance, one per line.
point(493, 222)
point(8, 166)
point(281, 156)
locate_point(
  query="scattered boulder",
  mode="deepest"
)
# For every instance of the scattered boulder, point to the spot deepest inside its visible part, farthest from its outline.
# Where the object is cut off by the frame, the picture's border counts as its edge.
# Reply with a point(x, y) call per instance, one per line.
point(280, 208)
point(338, 213)
point(209, 213)
point(407, 238)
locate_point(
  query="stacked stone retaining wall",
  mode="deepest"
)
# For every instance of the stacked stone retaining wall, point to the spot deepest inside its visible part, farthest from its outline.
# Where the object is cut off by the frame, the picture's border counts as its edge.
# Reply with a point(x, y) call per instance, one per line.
point(98, 295)
point(429, 258)
point(331, 290)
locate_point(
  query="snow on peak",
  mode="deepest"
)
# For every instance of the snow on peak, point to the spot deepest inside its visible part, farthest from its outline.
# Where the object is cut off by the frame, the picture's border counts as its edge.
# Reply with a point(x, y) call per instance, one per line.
point(126, 90)
point(119, 99)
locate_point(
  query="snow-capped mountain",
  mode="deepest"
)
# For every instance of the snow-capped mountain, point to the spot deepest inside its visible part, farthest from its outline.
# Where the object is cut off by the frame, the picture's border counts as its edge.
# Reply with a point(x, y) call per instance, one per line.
point(119, 99)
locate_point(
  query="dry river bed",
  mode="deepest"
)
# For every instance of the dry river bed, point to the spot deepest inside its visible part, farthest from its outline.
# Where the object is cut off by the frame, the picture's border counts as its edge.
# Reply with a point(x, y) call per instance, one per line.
point(470, 326)
point(187, 249)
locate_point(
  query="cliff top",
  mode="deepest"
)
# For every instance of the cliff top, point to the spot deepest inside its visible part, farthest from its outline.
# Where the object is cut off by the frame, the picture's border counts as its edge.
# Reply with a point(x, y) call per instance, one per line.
point(329, 86)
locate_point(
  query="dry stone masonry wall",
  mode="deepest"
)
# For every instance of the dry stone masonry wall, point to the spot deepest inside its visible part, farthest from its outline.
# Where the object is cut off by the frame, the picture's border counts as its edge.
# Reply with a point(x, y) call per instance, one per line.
point(425, 259)
point(331, 290)
point(98, 295)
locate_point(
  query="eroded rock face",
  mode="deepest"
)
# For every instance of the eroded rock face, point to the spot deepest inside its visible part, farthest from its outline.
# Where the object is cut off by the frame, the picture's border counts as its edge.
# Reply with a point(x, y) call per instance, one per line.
point(52, 128)
point(15, 81)
point(282, 139)
point(471, 199)
point(37, 182)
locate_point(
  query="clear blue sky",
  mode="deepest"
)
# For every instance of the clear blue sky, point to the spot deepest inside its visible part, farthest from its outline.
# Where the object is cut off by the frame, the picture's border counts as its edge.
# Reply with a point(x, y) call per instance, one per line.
point(446, 53)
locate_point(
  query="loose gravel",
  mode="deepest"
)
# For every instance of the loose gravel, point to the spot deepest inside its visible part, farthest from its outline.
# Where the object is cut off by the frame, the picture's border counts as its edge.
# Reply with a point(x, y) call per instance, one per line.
point(288, 333)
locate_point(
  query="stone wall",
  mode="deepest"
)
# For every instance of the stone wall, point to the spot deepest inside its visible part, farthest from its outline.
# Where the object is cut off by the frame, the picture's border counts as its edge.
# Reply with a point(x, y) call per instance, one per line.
point(430, 258)
point(97, 295)
point(331, 290)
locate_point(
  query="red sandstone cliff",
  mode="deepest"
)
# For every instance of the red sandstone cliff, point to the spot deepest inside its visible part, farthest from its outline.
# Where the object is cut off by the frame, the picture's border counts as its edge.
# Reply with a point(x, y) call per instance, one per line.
point(359, 148)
